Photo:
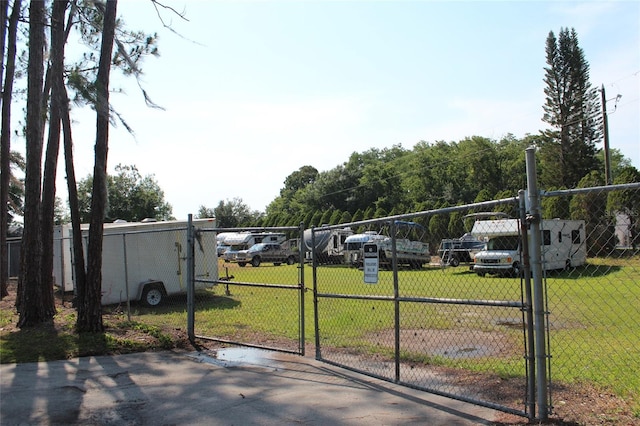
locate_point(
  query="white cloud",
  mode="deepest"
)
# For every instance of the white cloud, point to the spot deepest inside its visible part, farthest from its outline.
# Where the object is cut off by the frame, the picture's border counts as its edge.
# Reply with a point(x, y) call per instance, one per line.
point(201, 153)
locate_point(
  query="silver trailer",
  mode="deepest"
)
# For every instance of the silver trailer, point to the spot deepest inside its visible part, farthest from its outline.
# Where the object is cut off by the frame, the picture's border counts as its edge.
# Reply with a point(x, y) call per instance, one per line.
point(329, 245)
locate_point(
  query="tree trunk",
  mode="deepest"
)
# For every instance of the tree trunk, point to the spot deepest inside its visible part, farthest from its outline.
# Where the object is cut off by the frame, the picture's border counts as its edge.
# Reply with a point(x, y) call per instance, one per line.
point(30, 297)
point(78, 252)
point(4, 10)
point(90, 309)
point(55, 76)
point(5, 136)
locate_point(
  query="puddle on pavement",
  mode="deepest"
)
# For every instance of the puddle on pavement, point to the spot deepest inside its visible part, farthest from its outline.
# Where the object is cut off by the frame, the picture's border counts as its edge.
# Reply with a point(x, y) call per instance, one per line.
point(232, 357)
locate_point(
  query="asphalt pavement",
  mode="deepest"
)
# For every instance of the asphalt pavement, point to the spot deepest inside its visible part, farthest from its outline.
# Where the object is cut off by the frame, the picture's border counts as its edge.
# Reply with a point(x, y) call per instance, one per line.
point(233, 386)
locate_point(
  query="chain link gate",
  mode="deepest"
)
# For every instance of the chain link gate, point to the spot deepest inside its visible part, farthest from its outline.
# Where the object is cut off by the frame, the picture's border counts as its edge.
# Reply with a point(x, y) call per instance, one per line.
point(258, 300)
point(571, 291)
point(422, 323)
point(592, 311)
point(438, 325)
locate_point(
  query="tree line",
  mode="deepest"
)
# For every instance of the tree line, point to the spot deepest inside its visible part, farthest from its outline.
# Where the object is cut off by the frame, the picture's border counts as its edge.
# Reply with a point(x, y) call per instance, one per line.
point(385, 182)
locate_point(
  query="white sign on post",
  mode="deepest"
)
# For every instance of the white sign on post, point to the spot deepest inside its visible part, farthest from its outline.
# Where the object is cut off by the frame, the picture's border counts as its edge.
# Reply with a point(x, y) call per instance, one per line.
point(371, 263)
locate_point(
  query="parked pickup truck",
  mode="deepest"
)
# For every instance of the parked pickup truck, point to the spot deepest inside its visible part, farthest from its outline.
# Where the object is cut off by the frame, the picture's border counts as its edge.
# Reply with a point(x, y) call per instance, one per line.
point(275, 253)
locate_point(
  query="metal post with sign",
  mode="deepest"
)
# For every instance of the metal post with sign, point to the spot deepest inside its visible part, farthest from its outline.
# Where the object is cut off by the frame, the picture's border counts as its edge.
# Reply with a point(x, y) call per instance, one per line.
point(371, 263)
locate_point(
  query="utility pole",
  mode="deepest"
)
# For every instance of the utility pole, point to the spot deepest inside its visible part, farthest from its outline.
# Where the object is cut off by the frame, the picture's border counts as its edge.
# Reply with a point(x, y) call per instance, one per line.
point(607, 159)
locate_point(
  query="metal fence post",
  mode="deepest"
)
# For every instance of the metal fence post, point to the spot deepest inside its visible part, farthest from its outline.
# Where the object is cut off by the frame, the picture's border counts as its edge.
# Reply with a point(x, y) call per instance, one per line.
point(396, 294)
point(190, 283)
point(539, 311)
point(314, 269)
point(301, 278)
point(527, 309)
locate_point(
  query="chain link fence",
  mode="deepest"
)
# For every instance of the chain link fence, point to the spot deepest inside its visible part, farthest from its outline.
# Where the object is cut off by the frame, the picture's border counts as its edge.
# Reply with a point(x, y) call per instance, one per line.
point(416, 312)
point(594, 309)
point(259, 296)
point(508, 308)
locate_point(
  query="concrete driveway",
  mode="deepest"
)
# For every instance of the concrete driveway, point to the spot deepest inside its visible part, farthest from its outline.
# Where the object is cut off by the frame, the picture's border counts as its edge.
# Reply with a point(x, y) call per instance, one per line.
point(225, 387)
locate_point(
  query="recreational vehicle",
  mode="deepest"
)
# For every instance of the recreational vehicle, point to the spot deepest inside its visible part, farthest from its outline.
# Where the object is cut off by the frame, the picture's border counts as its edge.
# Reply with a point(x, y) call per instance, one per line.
point(563, 245)
point(221, 246)
point(140, 261)
point(244, 240)
point(353, 246)
point(410, 250)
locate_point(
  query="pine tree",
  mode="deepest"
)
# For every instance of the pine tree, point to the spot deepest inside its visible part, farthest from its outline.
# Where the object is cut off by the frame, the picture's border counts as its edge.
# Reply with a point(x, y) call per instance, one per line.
point(572, 109)
point(90, 309)
point(29, 296)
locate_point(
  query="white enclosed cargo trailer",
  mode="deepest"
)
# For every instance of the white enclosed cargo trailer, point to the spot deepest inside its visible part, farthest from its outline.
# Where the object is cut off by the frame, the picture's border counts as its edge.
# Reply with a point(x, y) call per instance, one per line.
point(141, 261)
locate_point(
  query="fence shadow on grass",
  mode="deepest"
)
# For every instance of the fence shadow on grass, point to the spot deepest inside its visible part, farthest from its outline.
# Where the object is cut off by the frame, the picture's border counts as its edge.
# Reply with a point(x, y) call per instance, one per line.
point(205, 300)
point(584, 271)
point(217, 303)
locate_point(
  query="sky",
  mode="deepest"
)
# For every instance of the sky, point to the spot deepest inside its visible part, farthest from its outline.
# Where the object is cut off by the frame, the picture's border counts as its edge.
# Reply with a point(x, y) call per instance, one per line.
point(254, 90)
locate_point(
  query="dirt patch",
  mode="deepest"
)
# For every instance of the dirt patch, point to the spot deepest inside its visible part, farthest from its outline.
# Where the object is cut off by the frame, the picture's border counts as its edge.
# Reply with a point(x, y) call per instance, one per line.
point(578, 404)
point(573, 404)
point(455, 344)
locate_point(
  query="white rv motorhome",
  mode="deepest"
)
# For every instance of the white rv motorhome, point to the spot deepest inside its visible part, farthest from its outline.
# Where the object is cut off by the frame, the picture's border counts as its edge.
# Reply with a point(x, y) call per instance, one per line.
point(140, 261)
point(563, 245)
point(244, 240)
point(221, 245)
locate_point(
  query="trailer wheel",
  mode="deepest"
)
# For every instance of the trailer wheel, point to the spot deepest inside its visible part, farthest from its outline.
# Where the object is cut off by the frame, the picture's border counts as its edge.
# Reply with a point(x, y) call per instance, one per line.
point(255, 261)
point(454, 261)
point(152, 294)
point(291, 260)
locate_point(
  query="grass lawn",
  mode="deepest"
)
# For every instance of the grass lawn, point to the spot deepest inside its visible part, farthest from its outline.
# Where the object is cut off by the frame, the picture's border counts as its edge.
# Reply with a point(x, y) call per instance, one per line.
point(594, 317)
